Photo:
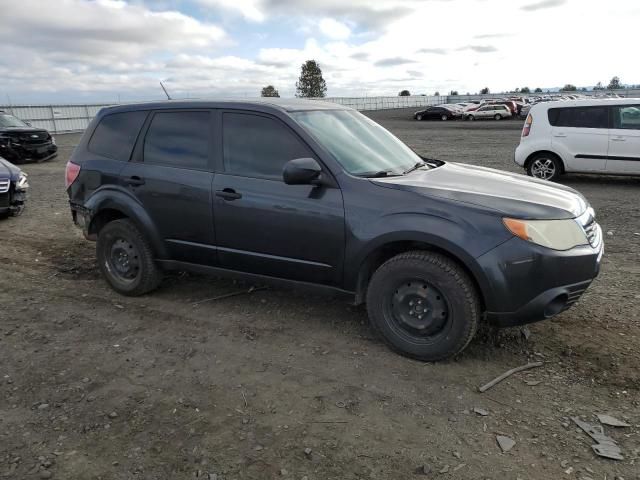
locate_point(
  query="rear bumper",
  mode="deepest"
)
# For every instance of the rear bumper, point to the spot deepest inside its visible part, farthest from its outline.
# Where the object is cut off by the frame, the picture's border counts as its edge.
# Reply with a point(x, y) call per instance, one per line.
point(529, 283)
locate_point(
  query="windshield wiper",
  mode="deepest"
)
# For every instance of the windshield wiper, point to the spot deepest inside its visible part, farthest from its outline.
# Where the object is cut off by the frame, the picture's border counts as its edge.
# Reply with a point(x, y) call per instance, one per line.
point(378, 174)
point(415, 167)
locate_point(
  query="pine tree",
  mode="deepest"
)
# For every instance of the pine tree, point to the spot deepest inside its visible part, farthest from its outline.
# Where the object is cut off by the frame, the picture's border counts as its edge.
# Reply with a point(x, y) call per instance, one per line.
point(311, 84)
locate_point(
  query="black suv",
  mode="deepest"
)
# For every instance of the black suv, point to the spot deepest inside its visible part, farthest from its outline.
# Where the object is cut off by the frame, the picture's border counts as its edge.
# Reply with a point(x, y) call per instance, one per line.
point(316, 193)
point(20, 142)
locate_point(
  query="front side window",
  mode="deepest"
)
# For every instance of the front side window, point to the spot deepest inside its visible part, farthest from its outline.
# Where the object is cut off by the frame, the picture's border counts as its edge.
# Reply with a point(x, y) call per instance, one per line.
point(626, 117)
point(116, 134)
point(257, 146)
point(358, 144)
point(579, 117)
point(178, 139)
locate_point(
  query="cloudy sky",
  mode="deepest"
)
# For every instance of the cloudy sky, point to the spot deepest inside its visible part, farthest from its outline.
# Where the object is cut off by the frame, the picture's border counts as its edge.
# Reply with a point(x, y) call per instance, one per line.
point(105, 50)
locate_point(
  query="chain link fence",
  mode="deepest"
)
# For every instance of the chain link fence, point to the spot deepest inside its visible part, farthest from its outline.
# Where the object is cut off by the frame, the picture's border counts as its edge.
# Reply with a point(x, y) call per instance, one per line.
point(75, 118)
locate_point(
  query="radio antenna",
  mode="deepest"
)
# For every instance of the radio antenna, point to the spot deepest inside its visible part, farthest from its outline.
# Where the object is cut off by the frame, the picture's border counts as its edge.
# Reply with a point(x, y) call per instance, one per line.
point(165, 91)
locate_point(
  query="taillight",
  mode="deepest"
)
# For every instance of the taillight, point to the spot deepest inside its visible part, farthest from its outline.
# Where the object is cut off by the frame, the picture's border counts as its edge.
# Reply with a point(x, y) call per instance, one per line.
point(527, 126)
point(71, 173)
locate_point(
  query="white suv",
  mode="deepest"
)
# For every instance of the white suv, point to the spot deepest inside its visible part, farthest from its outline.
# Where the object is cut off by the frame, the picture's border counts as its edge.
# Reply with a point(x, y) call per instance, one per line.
point(586, 136)
point(497, 112)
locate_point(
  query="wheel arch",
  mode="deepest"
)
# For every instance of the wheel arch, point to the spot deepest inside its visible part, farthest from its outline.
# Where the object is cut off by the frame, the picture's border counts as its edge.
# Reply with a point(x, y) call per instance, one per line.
point(383, 252)
point(109, 204)
point(530, 158)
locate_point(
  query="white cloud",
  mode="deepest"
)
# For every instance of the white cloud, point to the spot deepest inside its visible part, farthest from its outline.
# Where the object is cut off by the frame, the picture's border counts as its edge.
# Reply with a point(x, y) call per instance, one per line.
point(334, 29)
point(101, 48)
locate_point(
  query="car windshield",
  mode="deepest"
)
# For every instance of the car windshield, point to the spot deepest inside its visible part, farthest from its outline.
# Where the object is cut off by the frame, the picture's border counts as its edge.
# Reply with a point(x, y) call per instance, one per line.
point(8, 121)
point(359, 145)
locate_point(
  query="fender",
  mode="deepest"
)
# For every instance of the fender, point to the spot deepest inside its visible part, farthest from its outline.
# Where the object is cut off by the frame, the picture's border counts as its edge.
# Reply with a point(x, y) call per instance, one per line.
point(454, 236)
point(118, 198)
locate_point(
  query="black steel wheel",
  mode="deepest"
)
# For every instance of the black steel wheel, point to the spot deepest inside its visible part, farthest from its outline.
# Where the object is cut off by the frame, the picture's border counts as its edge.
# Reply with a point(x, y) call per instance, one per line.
point(423, 305)
point(125, 259)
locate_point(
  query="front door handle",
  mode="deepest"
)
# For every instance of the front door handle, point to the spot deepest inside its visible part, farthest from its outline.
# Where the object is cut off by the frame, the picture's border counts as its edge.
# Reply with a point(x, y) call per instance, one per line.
point(228, 194)
point(618, 139)
point(560, 135)
point(134, 181)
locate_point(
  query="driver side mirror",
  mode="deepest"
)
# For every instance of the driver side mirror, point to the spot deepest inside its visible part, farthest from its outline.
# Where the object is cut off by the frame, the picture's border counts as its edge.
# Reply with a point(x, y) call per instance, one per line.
point(302, 171)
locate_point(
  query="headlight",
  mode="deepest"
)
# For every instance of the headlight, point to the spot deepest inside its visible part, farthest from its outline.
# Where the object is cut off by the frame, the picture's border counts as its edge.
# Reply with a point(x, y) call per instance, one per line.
point(22, 183)
point(555, 234)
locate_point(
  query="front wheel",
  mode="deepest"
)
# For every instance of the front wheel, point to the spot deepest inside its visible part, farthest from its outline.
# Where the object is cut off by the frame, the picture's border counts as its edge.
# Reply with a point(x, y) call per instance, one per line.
point(125, 259)
point(498, 116)
point(423, 305)
point(471, 117)
point(545, 167)
point(444, 118)
point(419, 118)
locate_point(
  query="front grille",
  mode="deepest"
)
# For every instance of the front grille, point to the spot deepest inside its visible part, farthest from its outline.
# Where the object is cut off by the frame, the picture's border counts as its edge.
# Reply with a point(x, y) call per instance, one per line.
point(594, 233)
point(4, 185)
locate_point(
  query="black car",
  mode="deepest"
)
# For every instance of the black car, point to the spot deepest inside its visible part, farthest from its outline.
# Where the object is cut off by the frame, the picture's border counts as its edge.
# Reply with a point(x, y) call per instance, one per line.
point(13, 189)
point(20, 142)
point(318, 194)
point(437, 113)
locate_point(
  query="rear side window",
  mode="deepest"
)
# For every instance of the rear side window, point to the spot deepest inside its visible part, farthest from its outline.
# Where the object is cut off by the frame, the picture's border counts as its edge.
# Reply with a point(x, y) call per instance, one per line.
point(178, 139)
point(116, 134)
point(579, 117)
point(626, 117)
point(256, 146)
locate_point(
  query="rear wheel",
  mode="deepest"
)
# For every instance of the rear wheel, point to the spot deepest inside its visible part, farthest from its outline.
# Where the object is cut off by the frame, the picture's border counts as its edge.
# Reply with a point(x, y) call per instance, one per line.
point(471, 117)
point(125, 259)
point(544, 166)
point(423, 305)
point(444, 118)
point(498, 116)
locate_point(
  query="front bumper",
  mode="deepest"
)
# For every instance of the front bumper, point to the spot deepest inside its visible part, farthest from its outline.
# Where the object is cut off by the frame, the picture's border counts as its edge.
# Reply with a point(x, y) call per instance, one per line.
point(12, 202)
point(24, 153)
point(529, 283)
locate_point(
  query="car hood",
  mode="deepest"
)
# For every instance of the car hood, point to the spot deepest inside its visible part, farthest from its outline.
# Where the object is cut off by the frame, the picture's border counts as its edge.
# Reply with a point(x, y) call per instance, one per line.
point(8, 169)
point(508, 194)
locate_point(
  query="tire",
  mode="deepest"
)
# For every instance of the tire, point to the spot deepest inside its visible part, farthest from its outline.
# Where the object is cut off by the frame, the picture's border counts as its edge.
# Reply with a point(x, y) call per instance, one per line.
point(444, 118)
point(471, 117)
point(419, 118)
point(125, 259)
point(497, 116)
point(423, 305)
point(545, 166)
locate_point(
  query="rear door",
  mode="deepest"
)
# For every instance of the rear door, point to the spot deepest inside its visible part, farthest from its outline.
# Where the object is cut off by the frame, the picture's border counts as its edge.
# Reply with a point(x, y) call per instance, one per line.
point(171, 175)
point(581, 135)
point(263, 225)
point(624, 140)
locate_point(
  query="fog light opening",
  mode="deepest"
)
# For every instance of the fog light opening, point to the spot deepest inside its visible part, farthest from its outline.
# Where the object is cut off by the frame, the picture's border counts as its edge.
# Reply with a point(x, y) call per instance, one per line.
point(556, 305)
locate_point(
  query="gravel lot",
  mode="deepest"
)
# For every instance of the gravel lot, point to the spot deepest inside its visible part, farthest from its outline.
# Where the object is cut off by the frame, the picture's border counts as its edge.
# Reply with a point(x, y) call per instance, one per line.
point(287, 384)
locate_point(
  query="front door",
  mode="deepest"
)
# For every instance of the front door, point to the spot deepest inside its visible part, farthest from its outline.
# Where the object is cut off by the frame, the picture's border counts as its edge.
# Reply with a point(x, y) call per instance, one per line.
point(263, 225)
point(624, 140)
point(582, 135)
point(171, 175)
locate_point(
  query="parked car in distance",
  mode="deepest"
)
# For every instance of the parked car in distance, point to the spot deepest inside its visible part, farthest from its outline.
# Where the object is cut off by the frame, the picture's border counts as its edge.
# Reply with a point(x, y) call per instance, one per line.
point(438, 113)
point(314, 193)
point(13, 189)
point(20, 142)
point(493, 111)
point(583, 136)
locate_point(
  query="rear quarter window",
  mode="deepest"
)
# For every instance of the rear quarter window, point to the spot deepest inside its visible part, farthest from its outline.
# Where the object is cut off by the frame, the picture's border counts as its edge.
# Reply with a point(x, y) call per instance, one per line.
point(579, 117)
point(116, 134)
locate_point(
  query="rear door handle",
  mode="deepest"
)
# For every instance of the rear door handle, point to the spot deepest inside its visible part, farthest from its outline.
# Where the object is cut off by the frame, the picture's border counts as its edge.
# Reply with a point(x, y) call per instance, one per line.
point(134, 181)
point(228, 194)
point(618, 139)
point(560, 135)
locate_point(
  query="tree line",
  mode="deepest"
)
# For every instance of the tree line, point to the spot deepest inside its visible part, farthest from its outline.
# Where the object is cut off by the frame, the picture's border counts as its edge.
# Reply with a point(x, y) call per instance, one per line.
point(311, 84)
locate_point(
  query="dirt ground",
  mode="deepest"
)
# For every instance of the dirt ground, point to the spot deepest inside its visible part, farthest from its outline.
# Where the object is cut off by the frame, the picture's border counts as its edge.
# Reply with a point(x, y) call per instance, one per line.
point(287, 384)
